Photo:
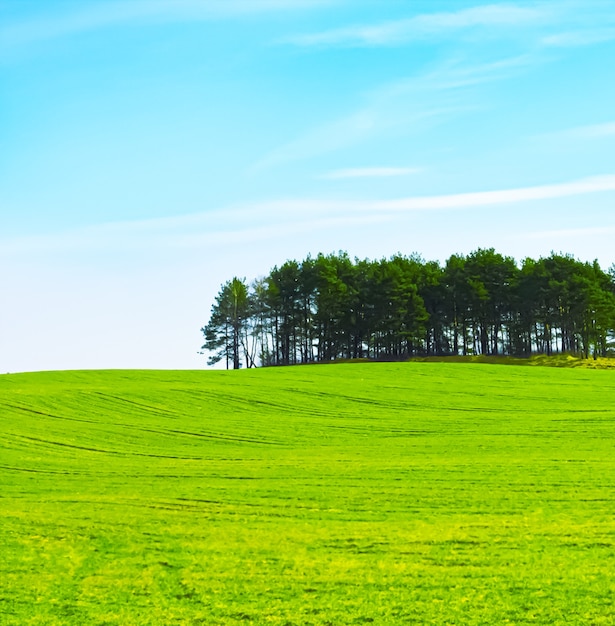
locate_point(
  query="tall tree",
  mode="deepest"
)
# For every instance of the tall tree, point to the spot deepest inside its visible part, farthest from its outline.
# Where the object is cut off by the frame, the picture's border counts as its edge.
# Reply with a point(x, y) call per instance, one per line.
point(332, 307)
point(226, 332)
point(286, 308)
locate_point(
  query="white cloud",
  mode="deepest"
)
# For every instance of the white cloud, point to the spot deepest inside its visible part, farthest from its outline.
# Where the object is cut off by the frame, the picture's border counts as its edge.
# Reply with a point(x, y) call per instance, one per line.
point(410, 104)
point(592, 131)
point(328, 137)
point(424, 26)
point(583, 186)
point(96, 15)
point(583, 37)
point(567, 23)
point(576, 134)
point(454, 75)
point(370, 172)
point(275, 220)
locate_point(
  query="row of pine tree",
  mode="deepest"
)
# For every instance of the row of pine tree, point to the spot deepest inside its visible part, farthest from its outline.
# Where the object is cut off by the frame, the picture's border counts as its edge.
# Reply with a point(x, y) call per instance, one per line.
point(333, 307)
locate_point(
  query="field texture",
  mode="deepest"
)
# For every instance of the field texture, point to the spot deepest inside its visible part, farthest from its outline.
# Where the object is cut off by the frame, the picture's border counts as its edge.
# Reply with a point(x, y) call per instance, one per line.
point(415, 493)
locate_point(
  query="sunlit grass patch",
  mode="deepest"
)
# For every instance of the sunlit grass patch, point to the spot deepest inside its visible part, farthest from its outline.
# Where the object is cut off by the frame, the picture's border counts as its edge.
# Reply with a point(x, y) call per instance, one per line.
point(427, 493)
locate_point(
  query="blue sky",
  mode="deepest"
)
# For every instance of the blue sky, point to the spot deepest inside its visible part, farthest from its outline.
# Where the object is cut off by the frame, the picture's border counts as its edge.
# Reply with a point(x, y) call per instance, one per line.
point(152, 149)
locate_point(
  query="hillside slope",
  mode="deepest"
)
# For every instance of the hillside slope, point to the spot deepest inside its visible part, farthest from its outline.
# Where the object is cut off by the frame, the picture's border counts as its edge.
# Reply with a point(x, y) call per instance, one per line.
point(385, 493)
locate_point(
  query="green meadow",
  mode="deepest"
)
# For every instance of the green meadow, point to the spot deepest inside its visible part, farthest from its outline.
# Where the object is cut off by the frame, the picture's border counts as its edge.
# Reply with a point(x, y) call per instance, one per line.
point(405, 493)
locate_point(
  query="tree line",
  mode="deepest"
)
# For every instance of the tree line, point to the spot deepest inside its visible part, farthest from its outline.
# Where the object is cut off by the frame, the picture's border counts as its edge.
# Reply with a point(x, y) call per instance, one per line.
point(334, 307)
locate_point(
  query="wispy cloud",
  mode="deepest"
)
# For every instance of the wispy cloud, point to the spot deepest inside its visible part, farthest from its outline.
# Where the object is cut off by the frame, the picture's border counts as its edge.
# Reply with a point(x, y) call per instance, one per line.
point(581, 133)
point(328, 137)
point(370, 172)
point(282, 218)
point(455, 74)
point(409, 104)
point(569, 23)
point(582, 37)
point(595, 130)
point(582, 186)
point(45, 25)
point(424, 27)
point(449, 89)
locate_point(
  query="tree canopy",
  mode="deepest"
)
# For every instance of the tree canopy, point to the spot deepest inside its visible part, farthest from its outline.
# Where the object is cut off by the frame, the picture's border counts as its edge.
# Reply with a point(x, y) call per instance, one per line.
point(332, 307)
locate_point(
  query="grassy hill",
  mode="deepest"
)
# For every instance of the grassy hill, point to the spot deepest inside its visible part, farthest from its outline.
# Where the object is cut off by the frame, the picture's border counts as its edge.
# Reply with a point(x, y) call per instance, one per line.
point(404, 493)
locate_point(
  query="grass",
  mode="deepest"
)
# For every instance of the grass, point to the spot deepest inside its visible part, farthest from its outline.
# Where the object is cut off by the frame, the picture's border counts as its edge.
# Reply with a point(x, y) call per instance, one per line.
point(398, 493)
point(556, 360)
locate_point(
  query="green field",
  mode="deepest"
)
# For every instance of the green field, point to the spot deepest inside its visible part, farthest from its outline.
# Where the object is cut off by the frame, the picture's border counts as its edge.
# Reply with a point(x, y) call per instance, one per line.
point(407, 493)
